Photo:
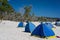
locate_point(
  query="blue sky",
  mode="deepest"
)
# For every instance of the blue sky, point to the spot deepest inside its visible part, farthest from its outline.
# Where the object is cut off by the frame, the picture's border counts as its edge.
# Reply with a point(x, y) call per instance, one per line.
point(49, 8)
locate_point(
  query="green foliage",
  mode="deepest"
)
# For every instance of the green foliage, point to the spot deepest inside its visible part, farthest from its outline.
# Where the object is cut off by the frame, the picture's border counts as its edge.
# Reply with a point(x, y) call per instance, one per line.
point(5, 6)
point(7, 13)
point(27, 12)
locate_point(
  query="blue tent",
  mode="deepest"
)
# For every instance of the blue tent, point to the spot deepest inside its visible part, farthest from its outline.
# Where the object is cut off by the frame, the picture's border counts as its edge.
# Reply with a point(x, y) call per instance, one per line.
point(43, 31)
point(20, 24)
point(57, 23)
point(49, 25)
point(29, 27)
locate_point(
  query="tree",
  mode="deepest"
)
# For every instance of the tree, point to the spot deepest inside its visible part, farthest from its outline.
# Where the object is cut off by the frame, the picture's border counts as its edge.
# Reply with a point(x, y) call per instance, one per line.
point(5, 7)
point(27, 12)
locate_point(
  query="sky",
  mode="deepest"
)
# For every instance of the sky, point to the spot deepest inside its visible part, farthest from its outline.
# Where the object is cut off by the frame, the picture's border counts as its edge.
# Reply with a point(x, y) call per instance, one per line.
point(47, 8)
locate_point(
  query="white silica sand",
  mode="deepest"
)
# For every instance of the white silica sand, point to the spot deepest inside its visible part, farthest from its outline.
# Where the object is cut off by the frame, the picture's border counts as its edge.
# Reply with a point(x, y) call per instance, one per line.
point(10, 31)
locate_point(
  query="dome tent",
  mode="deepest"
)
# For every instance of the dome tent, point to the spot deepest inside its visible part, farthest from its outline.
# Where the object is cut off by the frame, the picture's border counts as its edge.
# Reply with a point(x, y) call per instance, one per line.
point(57, 23)
point(29, 27)
point(20, 24)
point(43, 30)
point(49, 25)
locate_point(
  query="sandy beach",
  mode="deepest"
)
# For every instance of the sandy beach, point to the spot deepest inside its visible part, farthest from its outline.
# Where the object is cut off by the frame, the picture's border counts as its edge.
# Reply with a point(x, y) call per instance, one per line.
point(10, 31)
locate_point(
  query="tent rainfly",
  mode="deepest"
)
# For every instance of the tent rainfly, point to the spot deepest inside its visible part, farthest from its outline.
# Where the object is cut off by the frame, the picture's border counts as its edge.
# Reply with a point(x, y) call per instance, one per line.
point(43, 31)
point(49, 25)
point(20, 24)
point(29, 27)
point(57, 23)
